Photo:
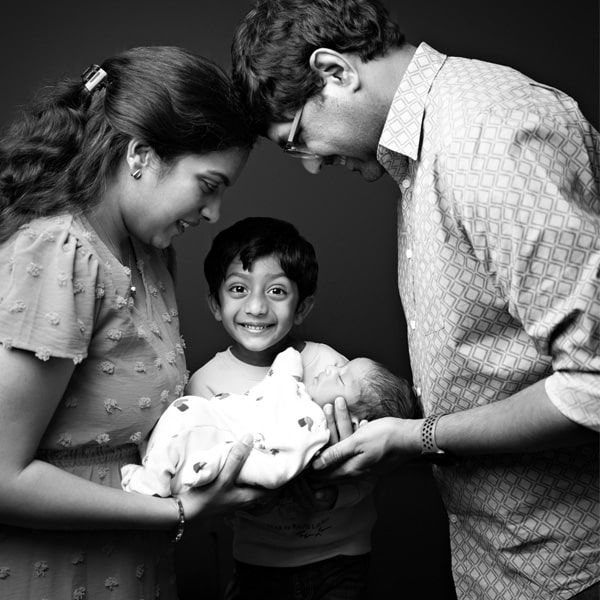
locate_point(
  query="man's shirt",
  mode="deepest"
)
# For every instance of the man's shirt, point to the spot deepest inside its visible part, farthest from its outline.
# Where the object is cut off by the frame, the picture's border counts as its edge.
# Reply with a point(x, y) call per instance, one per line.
point(499, 276)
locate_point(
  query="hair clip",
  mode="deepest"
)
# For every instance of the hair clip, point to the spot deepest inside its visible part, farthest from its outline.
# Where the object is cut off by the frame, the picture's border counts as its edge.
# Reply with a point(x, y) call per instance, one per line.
point(93, 77)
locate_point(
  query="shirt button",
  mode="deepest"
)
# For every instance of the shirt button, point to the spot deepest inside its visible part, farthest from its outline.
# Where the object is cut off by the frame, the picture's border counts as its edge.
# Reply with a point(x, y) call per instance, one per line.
point(417, 391)
point(453, 518)
point(406, 183)
point(413, 324)
point(409, 253)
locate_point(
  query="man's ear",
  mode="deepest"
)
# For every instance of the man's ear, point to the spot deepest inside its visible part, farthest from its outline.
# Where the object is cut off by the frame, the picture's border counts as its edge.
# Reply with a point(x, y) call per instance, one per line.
point(139, 155)
point(303, 309)
point(336, 68)
point(215, 307)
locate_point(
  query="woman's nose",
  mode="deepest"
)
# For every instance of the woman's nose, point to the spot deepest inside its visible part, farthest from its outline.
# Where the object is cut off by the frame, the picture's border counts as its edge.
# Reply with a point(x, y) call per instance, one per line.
point(211, 211)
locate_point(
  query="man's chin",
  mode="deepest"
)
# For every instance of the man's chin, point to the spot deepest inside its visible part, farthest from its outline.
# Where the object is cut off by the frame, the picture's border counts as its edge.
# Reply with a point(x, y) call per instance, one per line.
point(370, 173)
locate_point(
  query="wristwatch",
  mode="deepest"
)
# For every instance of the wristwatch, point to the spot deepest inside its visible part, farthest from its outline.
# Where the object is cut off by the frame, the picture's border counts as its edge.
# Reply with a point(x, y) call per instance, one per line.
point(429, 449)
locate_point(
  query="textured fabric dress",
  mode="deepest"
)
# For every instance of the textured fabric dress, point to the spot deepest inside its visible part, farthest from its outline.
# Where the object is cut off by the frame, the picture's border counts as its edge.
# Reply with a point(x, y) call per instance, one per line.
point(63, 294)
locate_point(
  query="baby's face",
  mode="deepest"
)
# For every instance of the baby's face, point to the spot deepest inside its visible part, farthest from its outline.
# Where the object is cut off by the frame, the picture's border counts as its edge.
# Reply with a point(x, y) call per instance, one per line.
point(336, 381)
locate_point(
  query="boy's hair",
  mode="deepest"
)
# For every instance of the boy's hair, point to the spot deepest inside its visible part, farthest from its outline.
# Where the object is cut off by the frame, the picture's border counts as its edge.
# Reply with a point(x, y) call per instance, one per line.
point(384, 394)
point(273, 44)
point(253, 238)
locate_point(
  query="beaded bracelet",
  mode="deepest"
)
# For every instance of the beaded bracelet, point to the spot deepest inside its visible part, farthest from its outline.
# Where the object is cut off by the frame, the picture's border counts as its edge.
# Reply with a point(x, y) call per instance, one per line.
point(180, 521)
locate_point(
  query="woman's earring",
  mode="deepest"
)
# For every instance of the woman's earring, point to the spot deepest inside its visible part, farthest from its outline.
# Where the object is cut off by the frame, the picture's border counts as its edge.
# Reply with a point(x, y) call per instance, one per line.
point(137, 174)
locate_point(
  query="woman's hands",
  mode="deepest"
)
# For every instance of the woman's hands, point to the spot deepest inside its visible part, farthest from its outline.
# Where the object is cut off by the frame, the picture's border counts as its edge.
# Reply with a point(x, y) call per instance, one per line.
point(224, 495)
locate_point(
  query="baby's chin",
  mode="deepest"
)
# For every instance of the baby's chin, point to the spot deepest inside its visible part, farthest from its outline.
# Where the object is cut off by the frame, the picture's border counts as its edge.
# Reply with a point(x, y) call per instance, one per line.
point(318, 400)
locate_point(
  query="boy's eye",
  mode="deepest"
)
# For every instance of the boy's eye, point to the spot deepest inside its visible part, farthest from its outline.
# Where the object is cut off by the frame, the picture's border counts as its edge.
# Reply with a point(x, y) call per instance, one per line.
point(237, 289)
point(277, 291)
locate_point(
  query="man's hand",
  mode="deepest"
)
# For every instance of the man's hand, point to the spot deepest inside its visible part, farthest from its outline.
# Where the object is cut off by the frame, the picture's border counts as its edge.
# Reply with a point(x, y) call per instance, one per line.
point(377, 446)
point(338, 420)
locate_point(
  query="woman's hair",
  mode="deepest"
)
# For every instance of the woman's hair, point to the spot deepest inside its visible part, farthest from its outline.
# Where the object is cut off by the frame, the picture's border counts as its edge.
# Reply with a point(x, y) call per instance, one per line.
point(253, 238)
point(58, 156)
point(383, 394)
point(272, 46)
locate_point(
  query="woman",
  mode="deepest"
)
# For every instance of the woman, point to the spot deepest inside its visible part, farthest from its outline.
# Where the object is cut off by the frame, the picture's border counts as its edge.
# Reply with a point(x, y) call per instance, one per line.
point(96, 179)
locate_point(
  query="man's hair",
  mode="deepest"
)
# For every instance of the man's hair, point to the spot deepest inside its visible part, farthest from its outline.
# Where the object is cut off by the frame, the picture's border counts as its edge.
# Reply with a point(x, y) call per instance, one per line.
point(384, 394)
point(253, 238)
point(273, 44)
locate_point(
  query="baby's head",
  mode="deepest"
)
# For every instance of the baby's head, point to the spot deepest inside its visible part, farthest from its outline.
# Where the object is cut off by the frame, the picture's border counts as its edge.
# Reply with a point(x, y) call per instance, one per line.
point(370, 390)
point(262, 276)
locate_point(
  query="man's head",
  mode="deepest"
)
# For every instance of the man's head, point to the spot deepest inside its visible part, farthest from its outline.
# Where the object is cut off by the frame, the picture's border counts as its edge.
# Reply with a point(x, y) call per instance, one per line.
point(292, 54)
point(370, 390)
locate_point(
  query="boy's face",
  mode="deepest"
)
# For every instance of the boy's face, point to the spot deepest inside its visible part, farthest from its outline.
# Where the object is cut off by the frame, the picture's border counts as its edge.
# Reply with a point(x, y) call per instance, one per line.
point(258, 308)
point(336, 381)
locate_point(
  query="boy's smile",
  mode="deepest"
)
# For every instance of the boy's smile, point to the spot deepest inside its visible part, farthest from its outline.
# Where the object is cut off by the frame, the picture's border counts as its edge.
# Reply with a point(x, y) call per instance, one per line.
point(258, 308)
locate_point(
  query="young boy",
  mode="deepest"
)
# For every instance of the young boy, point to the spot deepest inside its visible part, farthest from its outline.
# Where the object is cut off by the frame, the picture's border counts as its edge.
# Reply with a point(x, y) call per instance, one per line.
point(262, 277)
point(190, 443)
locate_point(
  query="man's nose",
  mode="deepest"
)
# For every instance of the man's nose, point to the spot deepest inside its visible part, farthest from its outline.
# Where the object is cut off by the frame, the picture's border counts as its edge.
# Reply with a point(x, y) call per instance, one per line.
point(312, 165)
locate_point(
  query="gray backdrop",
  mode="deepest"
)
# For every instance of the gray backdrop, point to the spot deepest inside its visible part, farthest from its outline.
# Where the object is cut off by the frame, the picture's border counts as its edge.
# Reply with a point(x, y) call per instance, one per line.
point(351, 223)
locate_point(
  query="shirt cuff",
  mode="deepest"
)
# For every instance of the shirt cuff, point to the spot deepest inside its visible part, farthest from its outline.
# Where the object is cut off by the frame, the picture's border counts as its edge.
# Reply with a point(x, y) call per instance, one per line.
point(577, 396)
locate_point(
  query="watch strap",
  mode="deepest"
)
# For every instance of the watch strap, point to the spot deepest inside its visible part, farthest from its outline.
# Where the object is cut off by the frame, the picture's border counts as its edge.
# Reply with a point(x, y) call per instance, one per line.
point(428, 444)
point(430, 451)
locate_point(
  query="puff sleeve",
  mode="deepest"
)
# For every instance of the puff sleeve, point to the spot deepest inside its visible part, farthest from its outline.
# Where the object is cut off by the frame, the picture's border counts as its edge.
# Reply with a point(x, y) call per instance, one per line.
point(48, 291)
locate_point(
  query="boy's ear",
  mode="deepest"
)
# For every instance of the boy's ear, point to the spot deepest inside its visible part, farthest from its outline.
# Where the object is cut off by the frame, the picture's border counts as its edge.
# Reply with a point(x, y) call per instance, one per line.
point(303, 309)
point(215, 307)
point(334, 67)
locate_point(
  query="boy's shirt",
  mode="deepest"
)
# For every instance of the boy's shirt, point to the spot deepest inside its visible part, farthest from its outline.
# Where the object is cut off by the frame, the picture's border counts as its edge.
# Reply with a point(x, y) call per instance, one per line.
point(260, 536)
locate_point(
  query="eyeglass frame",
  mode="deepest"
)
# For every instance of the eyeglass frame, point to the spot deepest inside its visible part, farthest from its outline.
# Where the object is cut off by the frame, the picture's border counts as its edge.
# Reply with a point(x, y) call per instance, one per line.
point(289, 147)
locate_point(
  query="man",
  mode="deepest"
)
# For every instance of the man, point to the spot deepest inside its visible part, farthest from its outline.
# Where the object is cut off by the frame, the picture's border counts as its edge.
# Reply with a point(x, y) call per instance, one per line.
point(499, 276)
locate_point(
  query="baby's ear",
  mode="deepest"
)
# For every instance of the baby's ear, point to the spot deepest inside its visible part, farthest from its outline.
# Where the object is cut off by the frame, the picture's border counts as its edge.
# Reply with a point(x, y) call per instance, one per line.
point(303, 309)
point(215, 307)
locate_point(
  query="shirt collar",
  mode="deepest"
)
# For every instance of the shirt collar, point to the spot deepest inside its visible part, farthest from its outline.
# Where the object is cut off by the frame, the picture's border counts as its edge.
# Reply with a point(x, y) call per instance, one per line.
point(402, 129)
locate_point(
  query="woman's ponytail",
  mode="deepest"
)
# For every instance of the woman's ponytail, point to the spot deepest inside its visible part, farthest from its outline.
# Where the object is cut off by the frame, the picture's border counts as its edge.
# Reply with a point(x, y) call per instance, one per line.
point(37, 155)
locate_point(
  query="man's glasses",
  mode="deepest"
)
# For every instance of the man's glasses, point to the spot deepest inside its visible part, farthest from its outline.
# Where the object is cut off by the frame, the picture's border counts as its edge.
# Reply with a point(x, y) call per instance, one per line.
point(289, 147)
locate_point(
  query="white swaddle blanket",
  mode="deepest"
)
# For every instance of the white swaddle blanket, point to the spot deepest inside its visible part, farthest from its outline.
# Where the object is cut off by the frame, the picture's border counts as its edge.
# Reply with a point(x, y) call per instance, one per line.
point(192, 439)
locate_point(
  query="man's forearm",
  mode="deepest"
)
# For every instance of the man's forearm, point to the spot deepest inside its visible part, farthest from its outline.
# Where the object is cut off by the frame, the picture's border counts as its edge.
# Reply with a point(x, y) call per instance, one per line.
point(527, 421)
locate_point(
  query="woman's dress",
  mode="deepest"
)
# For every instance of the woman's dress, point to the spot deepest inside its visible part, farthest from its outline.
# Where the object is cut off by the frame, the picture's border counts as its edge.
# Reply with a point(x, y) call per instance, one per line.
point(63, 294)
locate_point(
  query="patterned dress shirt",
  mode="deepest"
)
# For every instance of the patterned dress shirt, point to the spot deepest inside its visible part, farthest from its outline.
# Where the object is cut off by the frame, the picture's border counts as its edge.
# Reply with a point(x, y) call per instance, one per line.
point(499, 276)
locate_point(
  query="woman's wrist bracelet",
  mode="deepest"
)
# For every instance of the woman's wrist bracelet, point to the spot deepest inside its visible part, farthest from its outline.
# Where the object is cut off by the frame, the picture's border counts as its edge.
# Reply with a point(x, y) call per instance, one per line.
point(180, 520)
